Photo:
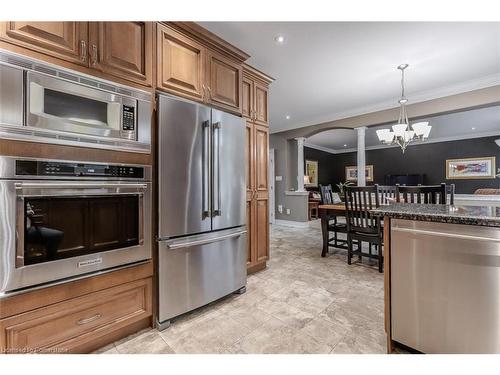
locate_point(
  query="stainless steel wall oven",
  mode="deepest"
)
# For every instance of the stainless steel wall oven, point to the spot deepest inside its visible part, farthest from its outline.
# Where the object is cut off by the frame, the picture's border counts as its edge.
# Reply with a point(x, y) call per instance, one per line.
point(63, 219)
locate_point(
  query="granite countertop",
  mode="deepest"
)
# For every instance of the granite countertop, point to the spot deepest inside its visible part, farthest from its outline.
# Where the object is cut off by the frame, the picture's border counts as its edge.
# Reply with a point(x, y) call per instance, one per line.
point(457, 214)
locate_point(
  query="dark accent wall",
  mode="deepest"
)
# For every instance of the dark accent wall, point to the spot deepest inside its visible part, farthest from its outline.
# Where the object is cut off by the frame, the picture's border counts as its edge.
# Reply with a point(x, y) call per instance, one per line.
point(428, 159)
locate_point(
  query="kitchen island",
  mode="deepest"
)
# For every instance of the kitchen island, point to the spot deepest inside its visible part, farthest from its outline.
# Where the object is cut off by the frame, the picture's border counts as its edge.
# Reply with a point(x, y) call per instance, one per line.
point(442, 277)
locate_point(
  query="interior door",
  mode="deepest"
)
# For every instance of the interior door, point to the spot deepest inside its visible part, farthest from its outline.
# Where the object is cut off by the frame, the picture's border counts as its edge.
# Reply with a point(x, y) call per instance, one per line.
point(64, 40)
point(122, 49)
point(184, 159)
point(228, 193)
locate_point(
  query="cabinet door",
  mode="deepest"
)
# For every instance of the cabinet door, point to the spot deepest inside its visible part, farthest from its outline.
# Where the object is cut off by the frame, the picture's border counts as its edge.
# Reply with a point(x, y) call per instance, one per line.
point(181, 64)
point(261, 220)
point(261, 158)
point(261, 228)
point(64, 40)
point(250, 232)
point(224, 82)
point(261, 104)
point(247, 103)
point(122, 49)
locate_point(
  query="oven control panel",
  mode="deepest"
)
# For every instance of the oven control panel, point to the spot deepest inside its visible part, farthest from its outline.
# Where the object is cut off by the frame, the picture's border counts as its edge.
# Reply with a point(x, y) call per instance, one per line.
point(63, 169)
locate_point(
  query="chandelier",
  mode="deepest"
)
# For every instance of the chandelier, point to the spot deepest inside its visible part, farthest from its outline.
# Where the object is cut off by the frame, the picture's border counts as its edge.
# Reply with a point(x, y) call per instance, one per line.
point(403, 133)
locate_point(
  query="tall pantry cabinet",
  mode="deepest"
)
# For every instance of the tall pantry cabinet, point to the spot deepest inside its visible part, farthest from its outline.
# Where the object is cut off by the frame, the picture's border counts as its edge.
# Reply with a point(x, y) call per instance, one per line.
point(255, 92)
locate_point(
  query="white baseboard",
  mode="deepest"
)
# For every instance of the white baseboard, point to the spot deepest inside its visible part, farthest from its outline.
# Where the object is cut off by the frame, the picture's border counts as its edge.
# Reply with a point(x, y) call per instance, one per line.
point(291, 223)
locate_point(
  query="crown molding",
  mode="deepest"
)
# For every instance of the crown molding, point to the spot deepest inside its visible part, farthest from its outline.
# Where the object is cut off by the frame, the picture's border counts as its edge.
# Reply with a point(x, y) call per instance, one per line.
point(418, 97)
point(431, 140)
point(320, 148)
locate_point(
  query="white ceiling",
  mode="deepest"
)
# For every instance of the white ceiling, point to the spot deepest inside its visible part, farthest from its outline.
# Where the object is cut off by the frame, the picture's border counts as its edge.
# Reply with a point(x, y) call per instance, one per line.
point(485, 121)
point(330, 70)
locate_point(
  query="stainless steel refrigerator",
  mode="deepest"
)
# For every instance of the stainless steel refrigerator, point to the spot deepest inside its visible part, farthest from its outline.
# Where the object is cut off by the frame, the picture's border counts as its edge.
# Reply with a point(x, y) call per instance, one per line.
point(202, 209)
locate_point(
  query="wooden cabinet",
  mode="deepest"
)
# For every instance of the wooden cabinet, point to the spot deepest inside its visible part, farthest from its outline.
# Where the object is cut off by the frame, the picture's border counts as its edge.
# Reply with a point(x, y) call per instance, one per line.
point(64, 326)
point(261, 104)
point(255, 109)
point(224, 82)
point(180, 64)
point(192, 68)
point(99, 309)
point(115, 49)
point(64, 40)
point(257, 159)
point(122, 49)
point(255, 98)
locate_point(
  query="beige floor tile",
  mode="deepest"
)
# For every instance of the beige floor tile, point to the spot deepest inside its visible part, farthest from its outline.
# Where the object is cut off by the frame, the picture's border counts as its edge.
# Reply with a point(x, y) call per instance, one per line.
point(147, 343)
point(275, 337)
point(325, 331)
point(301, 303)
point(210, 336)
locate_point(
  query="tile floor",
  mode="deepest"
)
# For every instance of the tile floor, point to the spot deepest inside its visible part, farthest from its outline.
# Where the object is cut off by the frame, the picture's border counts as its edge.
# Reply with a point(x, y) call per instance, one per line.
point(301, 303)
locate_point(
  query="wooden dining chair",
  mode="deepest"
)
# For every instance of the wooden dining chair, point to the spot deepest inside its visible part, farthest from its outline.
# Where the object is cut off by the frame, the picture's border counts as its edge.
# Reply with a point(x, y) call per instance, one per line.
point(450, 192)
point(386, 194)
point(334, 225)
point(361, 225)
point(428, 194)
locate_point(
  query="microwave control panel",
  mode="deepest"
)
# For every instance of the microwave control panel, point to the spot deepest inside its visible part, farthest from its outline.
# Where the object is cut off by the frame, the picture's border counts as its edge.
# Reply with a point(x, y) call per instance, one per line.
point(128, 115)
point(63, 169)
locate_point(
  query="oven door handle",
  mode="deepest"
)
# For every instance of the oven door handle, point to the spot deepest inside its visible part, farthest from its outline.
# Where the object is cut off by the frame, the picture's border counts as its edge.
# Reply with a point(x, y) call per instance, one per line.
point(65, 185)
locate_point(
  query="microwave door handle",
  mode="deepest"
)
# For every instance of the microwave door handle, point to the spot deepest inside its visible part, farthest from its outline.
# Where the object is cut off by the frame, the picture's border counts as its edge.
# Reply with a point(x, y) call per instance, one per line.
point(217, 193)
point(206, 170)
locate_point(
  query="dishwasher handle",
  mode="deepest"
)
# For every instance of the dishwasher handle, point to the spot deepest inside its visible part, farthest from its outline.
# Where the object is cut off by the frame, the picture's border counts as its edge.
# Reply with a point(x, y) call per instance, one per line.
point(448, 235)
point(184, 244)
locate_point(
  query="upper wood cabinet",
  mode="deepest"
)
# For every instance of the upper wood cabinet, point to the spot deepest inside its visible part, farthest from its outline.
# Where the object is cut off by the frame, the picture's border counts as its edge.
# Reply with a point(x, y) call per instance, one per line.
point(261, 104)
point(64, 40)
point(255, 98)
point(224, 82)
point(247, 91)
point(195, 64)
point(180, 64)
point(115, 49)
point(122, 49)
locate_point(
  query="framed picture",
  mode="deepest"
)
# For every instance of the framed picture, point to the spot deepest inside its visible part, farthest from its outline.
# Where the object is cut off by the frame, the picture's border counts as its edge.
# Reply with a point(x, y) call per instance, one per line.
point(311, 173)
point(351, 173)
point(470, 168)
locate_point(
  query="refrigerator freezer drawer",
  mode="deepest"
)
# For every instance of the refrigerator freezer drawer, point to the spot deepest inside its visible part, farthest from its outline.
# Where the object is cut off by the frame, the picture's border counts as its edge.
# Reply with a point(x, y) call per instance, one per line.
point(196, 270)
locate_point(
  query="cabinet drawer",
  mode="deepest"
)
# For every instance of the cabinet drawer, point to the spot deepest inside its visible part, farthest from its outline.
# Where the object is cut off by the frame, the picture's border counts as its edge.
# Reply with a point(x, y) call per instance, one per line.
point(66, 325)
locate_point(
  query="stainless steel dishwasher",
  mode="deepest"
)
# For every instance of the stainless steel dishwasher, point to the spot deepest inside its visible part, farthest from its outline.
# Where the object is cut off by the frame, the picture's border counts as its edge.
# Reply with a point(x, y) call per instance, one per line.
point(445, 287)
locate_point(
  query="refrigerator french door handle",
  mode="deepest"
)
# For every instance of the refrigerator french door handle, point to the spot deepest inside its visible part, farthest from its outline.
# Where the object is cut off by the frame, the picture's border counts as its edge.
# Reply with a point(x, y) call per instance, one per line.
point(206, 170)
point(216, 168)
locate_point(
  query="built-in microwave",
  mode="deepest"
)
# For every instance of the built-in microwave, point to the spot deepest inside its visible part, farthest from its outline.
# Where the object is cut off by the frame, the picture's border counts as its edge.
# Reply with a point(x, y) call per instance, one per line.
point(45, 103)
point(60, 105)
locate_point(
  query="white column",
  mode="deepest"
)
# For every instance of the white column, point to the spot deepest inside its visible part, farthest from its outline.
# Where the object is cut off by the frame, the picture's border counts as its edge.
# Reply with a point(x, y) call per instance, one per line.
point(300, 163)
point(361, 156)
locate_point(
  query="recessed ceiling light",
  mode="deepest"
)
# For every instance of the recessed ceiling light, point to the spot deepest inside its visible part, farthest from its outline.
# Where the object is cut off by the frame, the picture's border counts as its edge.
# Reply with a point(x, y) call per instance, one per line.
point(287, 117)
point(473, 128)
point(279, 39)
